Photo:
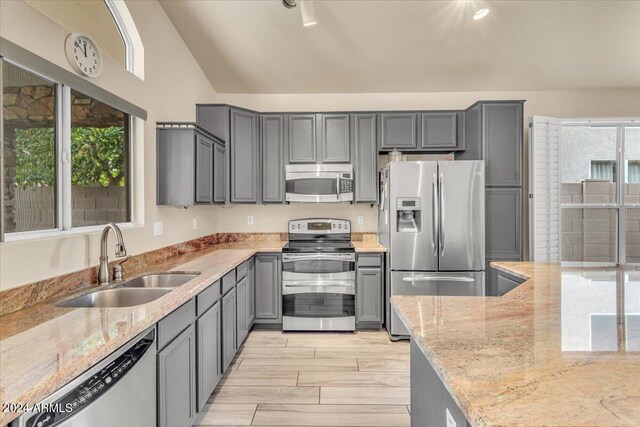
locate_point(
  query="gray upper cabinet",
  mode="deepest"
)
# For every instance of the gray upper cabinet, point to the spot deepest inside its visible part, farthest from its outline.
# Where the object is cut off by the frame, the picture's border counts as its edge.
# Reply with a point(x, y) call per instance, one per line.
point(365, 149)
point(268, 288)
point(302, 138)
point(204, 169)
point(503, 223)
point(502, 136)
point(334, 135)
point(273, 140)
point(493, 133)
point(439, 130)
point(209, 353)
point(228, 328)
point(243, 143)
point(181, 149)
point(398, 130)
point(177, 381)
point(219, 173)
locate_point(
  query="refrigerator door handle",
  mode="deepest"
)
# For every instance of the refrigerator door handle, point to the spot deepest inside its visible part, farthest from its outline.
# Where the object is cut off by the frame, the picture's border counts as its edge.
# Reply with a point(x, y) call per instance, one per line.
point(434, 212)
point(437, 279)
point(441, 236)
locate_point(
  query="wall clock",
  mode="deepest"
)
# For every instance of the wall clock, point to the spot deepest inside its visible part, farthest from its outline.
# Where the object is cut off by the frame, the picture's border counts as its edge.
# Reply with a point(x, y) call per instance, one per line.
point(83, 54)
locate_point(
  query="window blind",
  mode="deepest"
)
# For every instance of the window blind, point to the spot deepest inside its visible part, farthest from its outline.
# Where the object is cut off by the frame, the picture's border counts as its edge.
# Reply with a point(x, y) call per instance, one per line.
point(544, 184)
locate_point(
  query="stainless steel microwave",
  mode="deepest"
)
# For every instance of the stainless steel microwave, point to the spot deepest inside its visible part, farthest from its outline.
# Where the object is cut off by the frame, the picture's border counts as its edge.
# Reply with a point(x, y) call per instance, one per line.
point(319, 183)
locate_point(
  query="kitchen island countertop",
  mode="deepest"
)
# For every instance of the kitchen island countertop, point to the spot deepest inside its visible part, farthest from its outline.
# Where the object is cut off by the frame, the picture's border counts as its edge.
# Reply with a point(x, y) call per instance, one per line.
point(561, 349)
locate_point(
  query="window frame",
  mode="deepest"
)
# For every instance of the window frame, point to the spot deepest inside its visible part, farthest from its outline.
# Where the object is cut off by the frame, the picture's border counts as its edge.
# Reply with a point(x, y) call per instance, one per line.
point(63, 202)
point(619, 206)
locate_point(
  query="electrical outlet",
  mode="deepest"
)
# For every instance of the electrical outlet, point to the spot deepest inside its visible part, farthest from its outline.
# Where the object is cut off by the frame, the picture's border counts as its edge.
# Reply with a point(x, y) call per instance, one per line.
point(157, 229)
point(194, 223)
point(360, 220)
point(451, 422)
point(249, 219)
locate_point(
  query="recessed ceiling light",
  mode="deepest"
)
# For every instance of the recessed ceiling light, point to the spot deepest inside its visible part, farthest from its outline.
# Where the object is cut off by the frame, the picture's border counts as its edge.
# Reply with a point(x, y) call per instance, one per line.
point(480, 14)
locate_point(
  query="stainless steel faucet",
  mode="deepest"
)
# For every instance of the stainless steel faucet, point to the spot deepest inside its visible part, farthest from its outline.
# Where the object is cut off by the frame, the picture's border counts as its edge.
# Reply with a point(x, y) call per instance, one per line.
point(103, 270)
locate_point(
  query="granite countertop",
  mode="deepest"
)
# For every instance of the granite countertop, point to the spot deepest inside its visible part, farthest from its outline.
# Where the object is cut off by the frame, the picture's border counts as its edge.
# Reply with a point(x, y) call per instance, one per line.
point(42, 347)
point(368, 246)
point(562, 349)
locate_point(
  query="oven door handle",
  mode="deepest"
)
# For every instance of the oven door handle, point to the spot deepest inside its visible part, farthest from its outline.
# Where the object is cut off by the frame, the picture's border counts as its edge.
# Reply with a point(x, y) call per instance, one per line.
point(321, 285)
point(318, 257)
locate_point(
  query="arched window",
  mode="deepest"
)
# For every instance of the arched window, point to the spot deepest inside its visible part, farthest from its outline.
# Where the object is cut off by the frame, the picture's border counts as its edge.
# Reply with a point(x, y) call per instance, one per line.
point(111, 26)
point(133, 48)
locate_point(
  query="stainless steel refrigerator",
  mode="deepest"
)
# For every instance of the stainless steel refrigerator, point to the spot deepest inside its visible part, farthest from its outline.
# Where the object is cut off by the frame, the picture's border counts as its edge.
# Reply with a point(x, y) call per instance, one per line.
point(431, 219)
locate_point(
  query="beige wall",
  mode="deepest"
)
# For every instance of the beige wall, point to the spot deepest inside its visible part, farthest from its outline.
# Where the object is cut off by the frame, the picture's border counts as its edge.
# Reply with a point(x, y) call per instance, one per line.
point(275, 217)
point(173, 84)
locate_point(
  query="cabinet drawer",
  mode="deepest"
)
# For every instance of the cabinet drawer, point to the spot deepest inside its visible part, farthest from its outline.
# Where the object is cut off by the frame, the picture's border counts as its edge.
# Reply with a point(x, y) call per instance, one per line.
point(207, 298)
point(241, 271)
point(229, 281)
point(370, 260)
point(176, 322)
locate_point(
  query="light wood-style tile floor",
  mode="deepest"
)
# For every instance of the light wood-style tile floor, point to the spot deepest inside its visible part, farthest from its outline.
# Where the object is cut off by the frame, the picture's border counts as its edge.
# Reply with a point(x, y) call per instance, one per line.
point(314, 379)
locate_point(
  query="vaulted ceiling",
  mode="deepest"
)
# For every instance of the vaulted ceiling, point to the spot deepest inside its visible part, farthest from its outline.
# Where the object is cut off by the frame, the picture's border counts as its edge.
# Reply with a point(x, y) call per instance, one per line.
point(259, 46)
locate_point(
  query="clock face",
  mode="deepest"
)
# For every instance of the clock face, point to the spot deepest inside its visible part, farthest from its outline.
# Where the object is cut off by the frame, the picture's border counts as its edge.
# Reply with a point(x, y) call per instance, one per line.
point(83, 55)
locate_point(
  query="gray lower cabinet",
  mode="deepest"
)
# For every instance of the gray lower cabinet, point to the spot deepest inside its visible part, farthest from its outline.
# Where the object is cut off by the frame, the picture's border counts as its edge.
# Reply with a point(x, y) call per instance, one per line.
point(180, 151)
point(365, 148)
point(439, 130)
point(503, 223)
point(334, 137)
point(251, 294)
point(272, 138)
point(369, 290)
point(242, 316)
point(244, 145)
point(177, 381)
point(228, 328)
point(302, 138)
point(209, 353)
point(507, 282)
point(431, 403)
point(268, 288)
point(398, 130)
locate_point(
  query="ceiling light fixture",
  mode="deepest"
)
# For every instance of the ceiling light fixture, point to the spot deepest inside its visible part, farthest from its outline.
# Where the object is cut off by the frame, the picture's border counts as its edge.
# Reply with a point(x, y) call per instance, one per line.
point(307, 10)
point(480, 14)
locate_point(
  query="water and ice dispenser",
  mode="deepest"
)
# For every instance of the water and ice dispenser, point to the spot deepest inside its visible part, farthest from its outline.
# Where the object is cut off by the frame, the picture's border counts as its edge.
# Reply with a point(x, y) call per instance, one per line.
point(408, 211)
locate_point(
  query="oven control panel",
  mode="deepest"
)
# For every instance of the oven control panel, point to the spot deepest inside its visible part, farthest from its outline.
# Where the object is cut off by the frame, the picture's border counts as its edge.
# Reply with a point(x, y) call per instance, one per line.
point(319, 226)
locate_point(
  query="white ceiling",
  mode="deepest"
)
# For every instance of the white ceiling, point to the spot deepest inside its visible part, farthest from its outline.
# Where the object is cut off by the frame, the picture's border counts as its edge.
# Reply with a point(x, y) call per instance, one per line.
point(248, 46)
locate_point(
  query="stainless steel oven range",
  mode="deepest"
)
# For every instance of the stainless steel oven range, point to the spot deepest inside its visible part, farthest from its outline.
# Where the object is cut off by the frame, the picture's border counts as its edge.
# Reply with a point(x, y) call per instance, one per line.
point(319, 276)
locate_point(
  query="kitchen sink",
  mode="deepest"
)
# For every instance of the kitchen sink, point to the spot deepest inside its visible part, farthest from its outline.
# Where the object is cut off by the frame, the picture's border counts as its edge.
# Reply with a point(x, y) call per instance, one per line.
point(119, 297)
point(161, 280)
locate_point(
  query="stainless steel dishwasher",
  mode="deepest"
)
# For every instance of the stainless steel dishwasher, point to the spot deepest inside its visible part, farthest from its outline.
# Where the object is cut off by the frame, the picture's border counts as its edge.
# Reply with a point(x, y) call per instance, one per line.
point(118, 391)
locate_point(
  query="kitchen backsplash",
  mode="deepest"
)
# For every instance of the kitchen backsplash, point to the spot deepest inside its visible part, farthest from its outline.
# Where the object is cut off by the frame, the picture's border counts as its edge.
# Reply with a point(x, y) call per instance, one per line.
point(275, 218)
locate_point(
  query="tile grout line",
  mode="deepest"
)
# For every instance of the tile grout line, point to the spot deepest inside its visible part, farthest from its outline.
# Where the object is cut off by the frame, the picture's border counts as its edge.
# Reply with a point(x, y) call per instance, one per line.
point(255, 411)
